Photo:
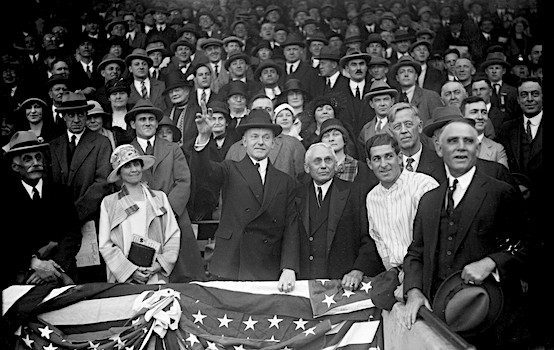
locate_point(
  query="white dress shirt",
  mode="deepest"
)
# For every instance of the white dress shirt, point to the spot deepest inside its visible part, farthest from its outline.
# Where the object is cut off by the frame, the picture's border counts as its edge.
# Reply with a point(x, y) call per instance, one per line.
point(262, 169)
point(199, 94)
point(272, 92)
point(324, 188)
point(138, 86)
point(461, 187)
point(535, 122)
point(421, 77)
point(293, 65)
point(77, 136)
point(29, 188)
point(360, 85)
point(143, 143)
point(416, 157)
point(410, 93)
point(333, 78)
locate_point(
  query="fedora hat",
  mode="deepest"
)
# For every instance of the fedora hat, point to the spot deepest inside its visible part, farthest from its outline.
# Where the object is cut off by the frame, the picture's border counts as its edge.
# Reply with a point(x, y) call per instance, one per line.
point(57, 79)
point(420, 42)
point(294, 85)
point(468, 309)
point(263, 44)
point(24, 141)
point(117, 85)
point(492, 61)
point(352, 39)
point(182, 42)
point(237, 87)
point(211, 42)
point(31, 101)
point(406, 61)
point(378, 61)
point(259, 119)
point(267, 64)
point(293, 39)
point(96, 109)
point(329, 53)
point(175, 130)
point(156, 46)
point(402, 35)
point(220, 107)
point(354, 54)
point(115, 21)
point(122, 155)
point(143, 106)
point(280, 26)
point(332, 124)
point(380, 88)
point(138, 54)
point(235, 56)
point(318, 36)
point(424, 31)
point(73, 101)
point(176, 80)
point(111, 58)
point(441, 116)
point(376, 38)
point(188, 28)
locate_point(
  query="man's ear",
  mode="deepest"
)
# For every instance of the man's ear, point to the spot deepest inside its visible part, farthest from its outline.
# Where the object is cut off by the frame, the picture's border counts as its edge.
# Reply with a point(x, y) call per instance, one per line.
point(132, 124)
point(369, 164)
point(14, 166)
point(306, 168)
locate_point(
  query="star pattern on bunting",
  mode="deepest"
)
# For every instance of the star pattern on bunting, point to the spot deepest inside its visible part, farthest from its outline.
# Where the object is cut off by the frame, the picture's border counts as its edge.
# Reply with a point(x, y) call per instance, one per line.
point(135, 321)
point(250, 323)
point(199, 317)
point(28, 341)
point(50, 347)
point(192, 339)
point(272, 339)
point(45, 332)
point(211, 346)
point(130, 348)
point(323, 281)
point(92, 346)
point(309, 331)
point(224, 322)
point(274, 322)
point(366, 286)
point(329, 300)
point(287, 348)
point(120, 344)
point(347, 293)
point(300, 324)
point(240, 347)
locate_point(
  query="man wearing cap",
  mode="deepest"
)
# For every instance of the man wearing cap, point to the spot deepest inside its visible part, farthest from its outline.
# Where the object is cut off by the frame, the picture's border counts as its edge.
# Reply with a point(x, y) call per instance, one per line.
point(295, 68)
point(213, 48)
point(257, 236)
point(142, 86)
point(157, 52)
point(135, 38)
point(43, 249)
point(429, 78)
point(380, 98)
point(329, 69)
point(333, 234)
point(504, 96)
point(161, 27)
point(406, 71)
point(111, 67)
point(315, 43)
point(367, 21)
point(471, 223)
point(81, 161)
point(170, 174)
point(269, 74)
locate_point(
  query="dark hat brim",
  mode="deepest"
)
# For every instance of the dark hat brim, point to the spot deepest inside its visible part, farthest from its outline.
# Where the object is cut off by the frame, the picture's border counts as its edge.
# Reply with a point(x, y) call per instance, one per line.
point(176, 44)
point(494, 61)
point(244, 56)
point(158, 113)
point(31, 100)
point(381, 91)
point(82, 107)
point(241, 129)
point(399, 64)
point(433, 125)
point(104, 63)
point(183, 84)
point(175, 130)
point(340, 128)
point(31, 147)
point(265, 65)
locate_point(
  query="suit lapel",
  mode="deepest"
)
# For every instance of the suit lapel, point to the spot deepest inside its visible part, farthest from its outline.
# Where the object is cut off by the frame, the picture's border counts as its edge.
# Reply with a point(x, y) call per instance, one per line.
point(272, 183)
point(536, 146)
point(60, 149)
point(433, 220)
point(486, 149)
point(81, 152)
point(160, 152)
point(305, 209)
point(337, 202)
point(416, 98)
point(252, 177)
point(473, 197)
point(274, 152)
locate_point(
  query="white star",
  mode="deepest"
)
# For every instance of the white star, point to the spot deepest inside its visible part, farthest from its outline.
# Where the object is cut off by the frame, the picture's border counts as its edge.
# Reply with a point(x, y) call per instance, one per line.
point(50, 347)
point(93, 346)
point(28, 341)
point(323, 281)
point(329, 300)
point(192, 339)
point(115, 338)
point(120, 344)
point(130, 348)
point(347, 293)
point(240, 347)
point(133, 322)
point(272, 339)
point(250, 323)
point(287, 348)
point(366, 286)
point(199, 317)
point(45, 332)
point(300, 324)
point(274, 321)
point(309, 331)
point(211, 346)
point(224, 322)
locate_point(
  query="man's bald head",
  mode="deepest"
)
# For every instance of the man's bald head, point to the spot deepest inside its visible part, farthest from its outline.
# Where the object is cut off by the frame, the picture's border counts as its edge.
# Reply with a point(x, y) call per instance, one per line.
point(458, 146)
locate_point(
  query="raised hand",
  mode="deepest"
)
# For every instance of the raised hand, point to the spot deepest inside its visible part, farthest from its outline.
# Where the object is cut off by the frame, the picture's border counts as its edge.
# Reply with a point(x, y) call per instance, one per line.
point(204, 121)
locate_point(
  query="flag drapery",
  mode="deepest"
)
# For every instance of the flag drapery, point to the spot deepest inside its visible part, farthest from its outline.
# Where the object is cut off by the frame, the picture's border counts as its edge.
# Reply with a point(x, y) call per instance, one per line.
point(318, 314)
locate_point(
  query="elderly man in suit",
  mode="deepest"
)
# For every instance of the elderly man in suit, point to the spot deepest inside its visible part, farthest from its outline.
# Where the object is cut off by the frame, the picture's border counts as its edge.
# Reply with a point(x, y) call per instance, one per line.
point(471, 223)
point(257, 236)
point(142, 87)
point(474, 107)
point(81, 161)
point(334, 242)
point(381, 97)
point(407, 71)
point(43, 250)
point(329, 68)
point(170, 174)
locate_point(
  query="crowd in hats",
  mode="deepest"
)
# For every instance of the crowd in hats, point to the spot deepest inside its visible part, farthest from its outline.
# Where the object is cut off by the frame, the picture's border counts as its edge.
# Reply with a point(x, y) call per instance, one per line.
point(163, 87)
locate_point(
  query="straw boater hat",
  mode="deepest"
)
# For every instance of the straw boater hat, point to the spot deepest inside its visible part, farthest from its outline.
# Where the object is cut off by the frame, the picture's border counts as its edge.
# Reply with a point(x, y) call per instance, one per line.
point(124, 154)
point(24, 141)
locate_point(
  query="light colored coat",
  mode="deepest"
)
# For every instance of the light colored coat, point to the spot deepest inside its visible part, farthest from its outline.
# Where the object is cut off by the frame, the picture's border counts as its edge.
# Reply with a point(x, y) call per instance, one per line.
point(491, 150)
point(162, 228)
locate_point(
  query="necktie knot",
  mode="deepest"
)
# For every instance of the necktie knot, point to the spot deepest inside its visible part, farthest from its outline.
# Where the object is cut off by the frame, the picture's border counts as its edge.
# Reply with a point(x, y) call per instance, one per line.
point(143, 90)
point(319, 196)
point(450, 200)
point(149, 148)
point(409, 162)
point(358, 93)
point(36, 195)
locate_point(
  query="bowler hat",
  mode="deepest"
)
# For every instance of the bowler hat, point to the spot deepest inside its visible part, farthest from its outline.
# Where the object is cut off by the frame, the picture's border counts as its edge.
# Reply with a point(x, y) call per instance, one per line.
point(332, 124)
point(138, 54)
point(493, 61)
point(406, 61)
point(267, 64)
point(352, 39)
point(176, 80)
point(293, 39)
point(441, 116)
point(24, 141)
point(73, 101)
point(176, 132)
point(143, 106)
point(280, 26)
point(182, 42)
point(354, 54)
point(310, 21)
point(378, 61)
point(329, 53)
point(389, 16)
point(424, 31)
point(318, 36)
point(380, 88)
point(111, 58)
point(124, 154)
point(468, 309)
point(235, 56)
point(263, 44)
point(259, 119)
point(205, 12)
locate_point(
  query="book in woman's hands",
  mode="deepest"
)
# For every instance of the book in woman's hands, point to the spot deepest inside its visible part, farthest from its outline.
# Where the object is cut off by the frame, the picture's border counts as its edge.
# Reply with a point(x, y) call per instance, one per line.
point(142, 251)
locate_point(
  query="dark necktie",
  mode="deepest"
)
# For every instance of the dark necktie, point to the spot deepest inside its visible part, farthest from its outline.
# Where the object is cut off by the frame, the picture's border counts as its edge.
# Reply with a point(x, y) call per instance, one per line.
point(328, 83)
point(72, 146)
point(450, 203)
point(358, 94)
point(143, 90)
point(156, 73)
point(216, 70)
point(149, 148)
point(409, 162)
point(36, 195)
point(319, 196)
point(290, 69)
point(203, 96)
point(404, 97)
point(528, 131)
point(496, 88)
point(88, 71)
point(258, 169)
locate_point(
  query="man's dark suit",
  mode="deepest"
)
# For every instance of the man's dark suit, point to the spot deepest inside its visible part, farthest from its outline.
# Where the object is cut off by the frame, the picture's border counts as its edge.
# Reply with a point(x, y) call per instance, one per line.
point(507, 95)
point(309, 77)
point(434, 79)
point(341, 84)
point(425, 101)
point(156, 94)
point(348, 244)
point(138, 42)
point(356, 112)
point(168, 35)
point(257, 235)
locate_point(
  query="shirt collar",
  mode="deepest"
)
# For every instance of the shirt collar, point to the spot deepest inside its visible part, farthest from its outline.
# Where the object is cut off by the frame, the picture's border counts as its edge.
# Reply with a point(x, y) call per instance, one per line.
point(78, 136)
point(263, 163)
point(416, 156)
point(294, 65)
point(464, 180)
point(353, 85)
point(29, 188)
point(535, 121)
point(333, 78)
point(324, 187)
point(144, 142)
